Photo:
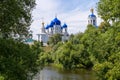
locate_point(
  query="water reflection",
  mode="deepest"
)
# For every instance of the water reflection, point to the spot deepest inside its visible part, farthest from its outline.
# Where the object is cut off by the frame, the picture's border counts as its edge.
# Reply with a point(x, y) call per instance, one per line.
point(51, 73)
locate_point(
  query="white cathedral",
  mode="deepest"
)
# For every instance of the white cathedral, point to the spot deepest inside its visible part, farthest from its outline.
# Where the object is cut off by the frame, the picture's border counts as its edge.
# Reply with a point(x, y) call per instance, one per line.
point(55, 27)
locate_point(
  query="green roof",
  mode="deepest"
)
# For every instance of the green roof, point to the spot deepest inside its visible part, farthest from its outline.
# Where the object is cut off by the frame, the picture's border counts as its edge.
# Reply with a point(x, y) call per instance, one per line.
point(29, 40)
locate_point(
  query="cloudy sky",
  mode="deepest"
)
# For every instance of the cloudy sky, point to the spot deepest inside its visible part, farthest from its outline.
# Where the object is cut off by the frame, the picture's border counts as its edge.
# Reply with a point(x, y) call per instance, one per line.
point(72, 12)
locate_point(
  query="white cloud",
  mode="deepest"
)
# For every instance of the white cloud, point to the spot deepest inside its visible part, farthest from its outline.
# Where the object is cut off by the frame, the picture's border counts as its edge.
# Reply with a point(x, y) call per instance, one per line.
point(47, 5)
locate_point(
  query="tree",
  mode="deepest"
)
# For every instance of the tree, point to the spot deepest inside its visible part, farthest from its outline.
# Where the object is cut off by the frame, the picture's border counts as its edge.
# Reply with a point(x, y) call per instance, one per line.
point(15, 17)
point(17, 60)
point(55, 39)
point(107, 49)
point(109, 10)
point(73, 54)
point(45, 58)
point(104, 26)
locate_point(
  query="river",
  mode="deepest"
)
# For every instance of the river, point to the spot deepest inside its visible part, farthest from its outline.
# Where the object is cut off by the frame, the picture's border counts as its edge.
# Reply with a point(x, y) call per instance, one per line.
point(52, 73)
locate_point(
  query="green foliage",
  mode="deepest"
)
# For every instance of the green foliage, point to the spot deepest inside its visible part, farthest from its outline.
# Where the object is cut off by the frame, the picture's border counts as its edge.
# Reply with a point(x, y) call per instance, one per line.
point(17, 60)
point(45, 59)
point(102, 69)
point(109, 10)
point(72, 54)
point(15, 17)
point(1, 77)
point(104, 26)
point(109, 70)
point(108, 66)
point(55, 39)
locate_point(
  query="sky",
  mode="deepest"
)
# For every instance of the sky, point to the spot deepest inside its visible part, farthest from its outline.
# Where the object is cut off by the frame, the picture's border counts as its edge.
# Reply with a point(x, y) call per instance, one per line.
point(72, 12)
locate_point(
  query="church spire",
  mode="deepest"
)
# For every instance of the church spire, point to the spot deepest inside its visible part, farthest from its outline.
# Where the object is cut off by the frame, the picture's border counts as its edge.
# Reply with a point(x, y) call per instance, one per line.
point(42, 21)
point(43, 27)
point(43, 24)
point(92, 10)
point(55, 15)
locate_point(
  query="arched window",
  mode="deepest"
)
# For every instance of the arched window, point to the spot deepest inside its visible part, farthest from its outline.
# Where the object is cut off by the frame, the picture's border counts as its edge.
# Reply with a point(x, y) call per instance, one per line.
point(94, 22)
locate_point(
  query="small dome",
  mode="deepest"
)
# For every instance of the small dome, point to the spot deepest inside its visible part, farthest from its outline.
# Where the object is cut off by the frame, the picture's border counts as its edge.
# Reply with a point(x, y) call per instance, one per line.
point(92, 13)
point(64, 26)
point(92, 16)
point(47, 27)
point(56, 21)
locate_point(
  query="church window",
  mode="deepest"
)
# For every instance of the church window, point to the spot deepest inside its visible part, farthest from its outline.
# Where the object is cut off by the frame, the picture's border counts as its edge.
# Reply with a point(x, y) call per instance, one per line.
point(93, 22)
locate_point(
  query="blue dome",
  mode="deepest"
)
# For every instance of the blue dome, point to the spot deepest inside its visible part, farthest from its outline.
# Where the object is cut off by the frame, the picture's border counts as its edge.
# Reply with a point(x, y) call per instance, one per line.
point(64, 26)
point(51, 24)
point(47, 27)
point(56, 21)
point(92, 15)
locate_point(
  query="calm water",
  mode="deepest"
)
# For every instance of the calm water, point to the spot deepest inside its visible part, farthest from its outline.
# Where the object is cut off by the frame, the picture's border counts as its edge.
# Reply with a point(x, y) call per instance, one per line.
point(52, 73)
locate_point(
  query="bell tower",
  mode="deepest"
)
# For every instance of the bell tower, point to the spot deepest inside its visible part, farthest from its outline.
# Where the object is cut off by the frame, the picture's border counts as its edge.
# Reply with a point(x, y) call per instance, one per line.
point(43, 27)
point(92, 18)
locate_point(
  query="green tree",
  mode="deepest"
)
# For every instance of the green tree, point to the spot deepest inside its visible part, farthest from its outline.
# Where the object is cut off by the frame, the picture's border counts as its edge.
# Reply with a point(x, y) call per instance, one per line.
point(107, 66)
point(17, 60)
point(73, 54)
point(109, 10)
point(55, 39)
point(104, 26)
point(15, 17)
point(45, 58)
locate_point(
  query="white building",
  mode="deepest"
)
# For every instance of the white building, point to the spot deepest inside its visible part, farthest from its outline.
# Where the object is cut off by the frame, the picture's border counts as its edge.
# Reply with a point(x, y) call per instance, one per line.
point(53, 28)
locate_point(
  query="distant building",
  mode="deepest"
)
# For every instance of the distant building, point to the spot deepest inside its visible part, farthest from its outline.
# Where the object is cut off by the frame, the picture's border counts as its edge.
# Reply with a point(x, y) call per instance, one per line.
point(53, 28)
point(92, 19)
point(29, 40)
